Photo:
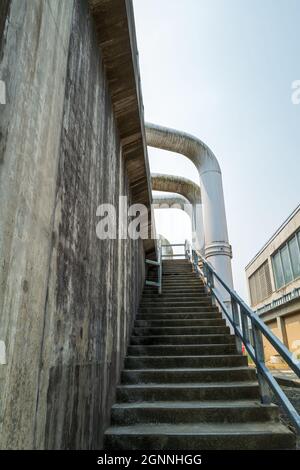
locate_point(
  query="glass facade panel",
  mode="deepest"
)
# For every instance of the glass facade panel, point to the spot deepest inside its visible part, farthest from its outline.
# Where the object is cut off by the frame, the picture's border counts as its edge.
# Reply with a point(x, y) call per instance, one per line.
point(295, 256)
point(287, 268)
point(278, 274)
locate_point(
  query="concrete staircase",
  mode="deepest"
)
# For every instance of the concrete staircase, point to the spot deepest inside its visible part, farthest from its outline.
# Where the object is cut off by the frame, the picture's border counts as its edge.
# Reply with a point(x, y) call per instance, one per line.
point(184, 386)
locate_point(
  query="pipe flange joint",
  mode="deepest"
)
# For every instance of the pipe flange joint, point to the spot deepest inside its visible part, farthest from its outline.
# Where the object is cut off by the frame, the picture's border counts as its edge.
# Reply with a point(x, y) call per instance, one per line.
point(217, 249)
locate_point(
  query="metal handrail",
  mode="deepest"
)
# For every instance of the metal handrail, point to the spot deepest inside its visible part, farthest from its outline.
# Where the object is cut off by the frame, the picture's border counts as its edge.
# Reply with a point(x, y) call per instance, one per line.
point(157, 263)
point(239, 318)
point(174, 255)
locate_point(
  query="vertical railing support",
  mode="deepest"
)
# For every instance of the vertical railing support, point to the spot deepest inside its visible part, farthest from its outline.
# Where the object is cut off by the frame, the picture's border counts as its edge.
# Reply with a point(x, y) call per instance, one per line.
point(211, 285)
point(236, 321)
point(260, 360)
point(160, 268)
point(186, 248)
point(245, 326)
point(195, 261)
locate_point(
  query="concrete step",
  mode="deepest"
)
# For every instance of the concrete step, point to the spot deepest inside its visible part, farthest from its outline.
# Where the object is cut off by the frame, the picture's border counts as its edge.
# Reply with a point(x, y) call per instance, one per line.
point(176, 276)
point(198, 294)
point(176, 323)
point(173, 302)
point(175, 269)
point(185, 307)
point(182, 269)
point(204, 436)
point(177, 281)
point(180, 291)
point(197, 291)
point(169, 291)
point(176, 412)
point(186, 268)
point(180, 322)
point(173, 275)
point(222, 374)
point(182, 282)
point(179, 309)
point(155, 299)
point(163, 304)
point(190, 278)
point(182, 274)
point(179, 274)
point(182, 297)
point(182, 287)
point(183, 339)
point(181, 350)
point(181, 330)
point(187, 391)
point(166, 297)
point(167, 362)
point(179, 316)
point(177, 261)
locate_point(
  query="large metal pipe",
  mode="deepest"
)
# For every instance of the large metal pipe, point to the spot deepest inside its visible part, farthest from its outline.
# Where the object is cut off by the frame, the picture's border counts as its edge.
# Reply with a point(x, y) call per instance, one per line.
point(192, 194)
point(167, 200)
point(217, 247)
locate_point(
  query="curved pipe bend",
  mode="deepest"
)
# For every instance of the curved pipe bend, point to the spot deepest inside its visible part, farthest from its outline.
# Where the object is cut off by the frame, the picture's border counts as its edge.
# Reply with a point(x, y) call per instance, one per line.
point(172, 200)
point(176, 184)
point(180, 142)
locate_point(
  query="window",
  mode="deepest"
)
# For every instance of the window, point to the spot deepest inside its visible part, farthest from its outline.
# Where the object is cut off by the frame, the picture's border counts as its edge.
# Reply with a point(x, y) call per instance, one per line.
point(278, 272)
point(260, 284)
point(295, 256)
point(286, 262)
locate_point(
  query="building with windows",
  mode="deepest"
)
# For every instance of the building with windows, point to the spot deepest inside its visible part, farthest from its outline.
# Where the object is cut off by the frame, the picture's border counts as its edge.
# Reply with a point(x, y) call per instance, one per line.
point(273, 278)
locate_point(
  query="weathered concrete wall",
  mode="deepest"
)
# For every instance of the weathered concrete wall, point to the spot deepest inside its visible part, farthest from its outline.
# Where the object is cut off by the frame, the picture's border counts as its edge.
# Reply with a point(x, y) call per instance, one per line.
point(67, 298)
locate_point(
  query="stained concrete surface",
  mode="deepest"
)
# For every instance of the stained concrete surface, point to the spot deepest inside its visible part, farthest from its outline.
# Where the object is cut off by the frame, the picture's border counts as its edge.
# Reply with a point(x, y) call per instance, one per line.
point(67, 299)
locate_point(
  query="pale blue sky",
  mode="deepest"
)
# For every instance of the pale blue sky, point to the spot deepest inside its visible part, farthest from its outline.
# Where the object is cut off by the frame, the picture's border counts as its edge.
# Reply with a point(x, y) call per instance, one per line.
point(222, 70)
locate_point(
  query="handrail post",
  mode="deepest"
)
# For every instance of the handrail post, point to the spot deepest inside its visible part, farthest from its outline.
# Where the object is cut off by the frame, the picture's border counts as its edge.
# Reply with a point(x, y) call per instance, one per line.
point(210, 279)
point(236, 321)
point(245, 326)
point(211, 285)
point(260, 360)
point(160, 268)
point(195, 261)
point(186, 249)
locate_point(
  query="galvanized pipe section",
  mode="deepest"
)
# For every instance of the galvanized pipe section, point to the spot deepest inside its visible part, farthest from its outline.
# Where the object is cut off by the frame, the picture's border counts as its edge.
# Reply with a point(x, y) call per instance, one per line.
point(192, 195)
point(171, 201)
point(174, 201)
